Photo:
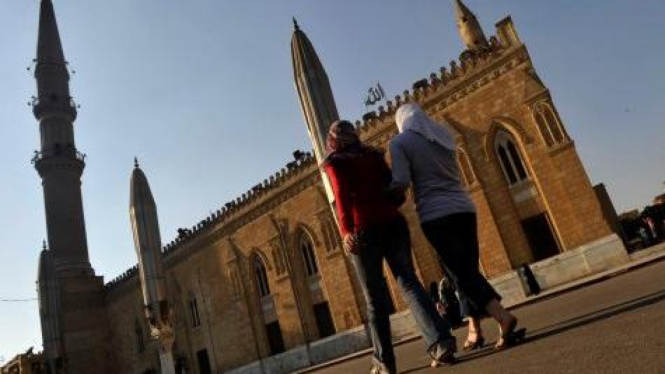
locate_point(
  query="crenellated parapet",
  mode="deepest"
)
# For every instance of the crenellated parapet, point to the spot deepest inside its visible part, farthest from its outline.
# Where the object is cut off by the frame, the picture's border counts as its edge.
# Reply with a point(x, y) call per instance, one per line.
point(122, 278)
point(471, 71)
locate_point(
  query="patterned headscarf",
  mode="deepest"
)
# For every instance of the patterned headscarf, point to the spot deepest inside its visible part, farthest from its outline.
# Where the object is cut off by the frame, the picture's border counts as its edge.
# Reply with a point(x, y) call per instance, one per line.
point(342, 137)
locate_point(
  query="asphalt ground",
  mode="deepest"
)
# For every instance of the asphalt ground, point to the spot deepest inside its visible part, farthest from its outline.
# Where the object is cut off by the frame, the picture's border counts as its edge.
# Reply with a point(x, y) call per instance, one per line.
point(614, 326)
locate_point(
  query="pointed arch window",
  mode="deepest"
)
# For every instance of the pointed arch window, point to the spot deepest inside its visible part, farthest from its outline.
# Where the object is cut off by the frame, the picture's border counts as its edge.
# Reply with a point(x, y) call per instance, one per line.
point(465, 167)
point(235, 282)
point(194, 311)
point(307, 250)
point(509, 158)
point(549, 125)
point(140, 338)
point(261, 276)
point(330, 233)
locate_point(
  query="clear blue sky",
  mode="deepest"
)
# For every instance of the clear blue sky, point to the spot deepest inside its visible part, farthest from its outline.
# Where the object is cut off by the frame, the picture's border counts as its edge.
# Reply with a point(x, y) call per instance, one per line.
point(202, 92)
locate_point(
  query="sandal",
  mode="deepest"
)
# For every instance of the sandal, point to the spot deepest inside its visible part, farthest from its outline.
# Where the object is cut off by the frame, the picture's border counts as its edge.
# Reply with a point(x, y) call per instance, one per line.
point(471, 345)
point(511, 337)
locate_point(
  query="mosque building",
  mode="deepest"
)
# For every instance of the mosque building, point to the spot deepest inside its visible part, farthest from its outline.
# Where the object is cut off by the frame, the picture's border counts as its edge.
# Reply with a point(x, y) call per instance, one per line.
point(266, 273)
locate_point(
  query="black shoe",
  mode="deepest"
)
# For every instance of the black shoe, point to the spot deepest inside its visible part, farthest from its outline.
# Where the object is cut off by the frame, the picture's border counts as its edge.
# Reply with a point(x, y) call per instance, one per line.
point(443, 354)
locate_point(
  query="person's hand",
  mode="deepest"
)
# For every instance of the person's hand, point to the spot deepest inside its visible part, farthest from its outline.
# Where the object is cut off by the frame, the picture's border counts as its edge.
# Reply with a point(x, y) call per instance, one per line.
point(440, 308)
point(350, 243)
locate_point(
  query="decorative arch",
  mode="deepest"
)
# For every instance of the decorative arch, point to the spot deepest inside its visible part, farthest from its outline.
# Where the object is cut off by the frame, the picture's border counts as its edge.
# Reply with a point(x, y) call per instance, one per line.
point(304, 244)
point(257, 252)
point(300, 227)
point(466, 167)
point(510, 158)
point(518, 132)
point(260, 274)
point(549, 124)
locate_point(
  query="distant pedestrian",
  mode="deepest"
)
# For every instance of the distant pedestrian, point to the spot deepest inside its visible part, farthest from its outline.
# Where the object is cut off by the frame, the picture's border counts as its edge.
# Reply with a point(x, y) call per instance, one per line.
point(373, 229)
point(424, 153)
point(531, 281)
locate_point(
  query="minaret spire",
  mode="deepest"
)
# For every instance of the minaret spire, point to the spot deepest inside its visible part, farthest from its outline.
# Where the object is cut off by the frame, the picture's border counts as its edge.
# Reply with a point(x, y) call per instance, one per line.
point(49, 46)
point(74, 326)
point(58, 162)
point(316, 98)
point(148, 244)
point(470, 30)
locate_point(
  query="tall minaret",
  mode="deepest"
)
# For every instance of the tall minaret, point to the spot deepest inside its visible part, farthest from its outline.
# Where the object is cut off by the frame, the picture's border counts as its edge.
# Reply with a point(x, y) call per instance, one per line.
point(148, 244)
point(73, 318)
point(469, 28)
point(59, 163)
point(316, 97)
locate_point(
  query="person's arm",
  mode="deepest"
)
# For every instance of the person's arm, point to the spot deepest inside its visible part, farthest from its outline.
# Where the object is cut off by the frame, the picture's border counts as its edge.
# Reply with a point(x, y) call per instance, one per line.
point(401, 168)
point(340, 187)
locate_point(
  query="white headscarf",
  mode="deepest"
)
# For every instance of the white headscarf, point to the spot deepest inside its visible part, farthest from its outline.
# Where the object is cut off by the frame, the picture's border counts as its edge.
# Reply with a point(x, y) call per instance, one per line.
point(410, 117)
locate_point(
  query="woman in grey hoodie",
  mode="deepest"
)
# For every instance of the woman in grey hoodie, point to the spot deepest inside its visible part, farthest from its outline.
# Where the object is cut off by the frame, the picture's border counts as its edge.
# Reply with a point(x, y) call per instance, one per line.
point(424, 154)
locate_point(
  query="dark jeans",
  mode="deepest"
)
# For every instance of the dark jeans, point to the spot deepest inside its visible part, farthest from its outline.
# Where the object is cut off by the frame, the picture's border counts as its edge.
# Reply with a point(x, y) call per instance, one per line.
point(391, 241)
point(455, 239)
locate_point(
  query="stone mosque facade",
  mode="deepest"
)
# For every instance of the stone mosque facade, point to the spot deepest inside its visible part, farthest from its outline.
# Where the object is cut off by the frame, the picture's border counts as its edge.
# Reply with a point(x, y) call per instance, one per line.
point(266, 272)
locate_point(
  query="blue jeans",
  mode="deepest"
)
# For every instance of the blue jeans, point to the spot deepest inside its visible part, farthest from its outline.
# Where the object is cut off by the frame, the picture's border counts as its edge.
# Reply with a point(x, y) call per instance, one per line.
point(391, 241)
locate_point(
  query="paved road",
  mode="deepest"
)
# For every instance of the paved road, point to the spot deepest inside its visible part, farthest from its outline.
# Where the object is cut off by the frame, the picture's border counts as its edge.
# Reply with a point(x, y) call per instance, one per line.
point(616, 326)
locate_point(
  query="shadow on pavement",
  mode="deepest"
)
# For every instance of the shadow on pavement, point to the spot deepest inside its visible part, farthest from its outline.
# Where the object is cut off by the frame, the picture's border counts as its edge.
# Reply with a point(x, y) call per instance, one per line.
point(564, 326)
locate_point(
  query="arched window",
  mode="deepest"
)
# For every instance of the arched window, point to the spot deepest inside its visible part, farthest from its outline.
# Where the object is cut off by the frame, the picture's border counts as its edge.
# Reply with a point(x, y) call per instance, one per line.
point(465, 167)
point(549, 124)
point(277, 261)
point(194, 311)
point(235, 282)
point(140, 340)
point(330, 233)
point(307, 251)
point(261, 276)
point(509, 158)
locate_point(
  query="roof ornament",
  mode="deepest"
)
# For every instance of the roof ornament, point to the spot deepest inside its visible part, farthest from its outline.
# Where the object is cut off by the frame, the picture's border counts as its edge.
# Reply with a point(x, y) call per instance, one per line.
point(296, 27)
point(136, 163)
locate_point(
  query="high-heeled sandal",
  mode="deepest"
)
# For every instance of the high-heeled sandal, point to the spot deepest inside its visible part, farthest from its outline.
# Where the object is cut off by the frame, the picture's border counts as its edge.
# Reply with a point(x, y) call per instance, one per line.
point(511, 337)
point(471, 345)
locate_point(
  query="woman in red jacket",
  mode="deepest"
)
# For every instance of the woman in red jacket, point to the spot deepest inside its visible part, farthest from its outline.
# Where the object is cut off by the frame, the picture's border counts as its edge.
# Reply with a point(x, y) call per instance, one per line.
point(373, 230)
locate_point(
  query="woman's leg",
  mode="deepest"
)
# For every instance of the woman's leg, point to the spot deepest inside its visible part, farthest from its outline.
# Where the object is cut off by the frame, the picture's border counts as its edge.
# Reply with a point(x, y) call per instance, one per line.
point(455, 239)
point(435, 331)
point(369, 267)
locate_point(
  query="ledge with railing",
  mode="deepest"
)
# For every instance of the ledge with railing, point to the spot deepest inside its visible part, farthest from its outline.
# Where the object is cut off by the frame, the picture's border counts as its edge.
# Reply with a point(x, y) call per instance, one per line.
point(57, 151)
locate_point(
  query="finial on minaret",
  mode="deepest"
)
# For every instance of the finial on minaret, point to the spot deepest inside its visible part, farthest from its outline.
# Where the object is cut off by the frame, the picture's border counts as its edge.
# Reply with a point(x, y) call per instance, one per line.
point(296, 27)
point(136, 162)
point(469, 28)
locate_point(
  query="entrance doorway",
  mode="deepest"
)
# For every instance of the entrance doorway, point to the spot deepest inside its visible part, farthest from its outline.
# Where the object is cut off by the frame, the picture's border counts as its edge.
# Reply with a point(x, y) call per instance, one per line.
point(204, 362)
point(324, 320)
point(275, 338)
point(541, 239)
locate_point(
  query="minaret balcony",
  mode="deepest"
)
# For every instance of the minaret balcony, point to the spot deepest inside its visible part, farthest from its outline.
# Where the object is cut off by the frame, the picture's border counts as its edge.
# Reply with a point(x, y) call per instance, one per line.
point(42, 107)
point(57, 158)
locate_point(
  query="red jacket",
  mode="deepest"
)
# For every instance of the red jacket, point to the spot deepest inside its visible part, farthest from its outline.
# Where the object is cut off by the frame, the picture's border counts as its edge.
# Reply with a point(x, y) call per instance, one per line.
point(359, 184)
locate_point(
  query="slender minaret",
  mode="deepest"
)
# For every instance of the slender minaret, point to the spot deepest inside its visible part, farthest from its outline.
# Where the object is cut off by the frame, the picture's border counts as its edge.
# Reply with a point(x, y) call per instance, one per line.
point(73, 317)
point(316, 97)
point(469, 28)
point(148, 244)
point(59, 163)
